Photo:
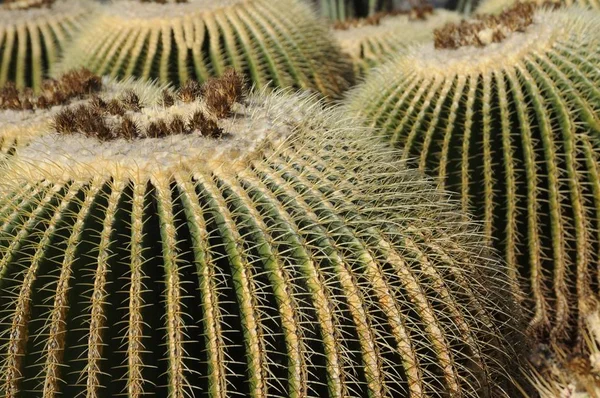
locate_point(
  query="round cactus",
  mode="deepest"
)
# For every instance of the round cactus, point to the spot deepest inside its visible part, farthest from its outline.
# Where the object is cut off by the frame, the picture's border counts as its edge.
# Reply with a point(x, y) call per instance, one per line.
point(239, 245)
point(370, 41)
point(33, 34)
point(509, 120)
point(279, 42)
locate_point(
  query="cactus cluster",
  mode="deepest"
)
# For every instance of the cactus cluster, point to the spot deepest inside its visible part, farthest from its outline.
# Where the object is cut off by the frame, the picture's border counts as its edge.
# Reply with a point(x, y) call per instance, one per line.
point(505, 110)
point(290, 255)
point(370, 41)
point(280, 42)
point(33, 34)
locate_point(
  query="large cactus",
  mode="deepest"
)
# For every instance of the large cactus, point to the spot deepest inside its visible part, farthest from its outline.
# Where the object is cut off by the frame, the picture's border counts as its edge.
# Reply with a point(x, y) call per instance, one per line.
point(371, 41)
point(509, 120)
point(33, 34)
point(278, 42)
point(238, 246)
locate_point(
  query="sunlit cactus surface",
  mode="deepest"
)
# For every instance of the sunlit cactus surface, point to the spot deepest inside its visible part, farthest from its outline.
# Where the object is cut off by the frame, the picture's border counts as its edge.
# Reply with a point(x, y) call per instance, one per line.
point(218, 243)
point(278, 42)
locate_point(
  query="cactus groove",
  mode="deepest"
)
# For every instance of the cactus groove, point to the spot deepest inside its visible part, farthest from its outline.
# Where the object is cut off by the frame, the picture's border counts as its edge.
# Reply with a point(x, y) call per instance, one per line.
point(33, 35)
point(312, 265)
point(280, 42)
point(511, 125)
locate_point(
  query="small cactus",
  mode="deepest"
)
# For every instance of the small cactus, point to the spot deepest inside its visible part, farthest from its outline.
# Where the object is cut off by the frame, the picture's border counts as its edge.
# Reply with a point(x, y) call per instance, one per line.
point(505, 111)
point(33, 34)
point(278, 42)
point(233, 244)
point(370, 41)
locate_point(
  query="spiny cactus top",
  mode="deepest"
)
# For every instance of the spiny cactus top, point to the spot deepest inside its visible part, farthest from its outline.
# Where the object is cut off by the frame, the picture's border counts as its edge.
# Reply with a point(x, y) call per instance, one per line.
point(223, 244)
point(25, 114)
point(497, 6)
point(370, 41)
point(278, 42)
point(33, 33)
point(505, 111)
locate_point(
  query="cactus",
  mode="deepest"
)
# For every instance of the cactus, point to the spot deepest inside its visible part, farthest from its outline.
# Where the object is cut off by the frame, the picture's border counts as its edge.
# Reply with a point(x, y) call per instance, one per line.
point(235, 244)
point(33, 33)
point(370, 41)
point(279, 42)
point(497, 6)
point(509, 120)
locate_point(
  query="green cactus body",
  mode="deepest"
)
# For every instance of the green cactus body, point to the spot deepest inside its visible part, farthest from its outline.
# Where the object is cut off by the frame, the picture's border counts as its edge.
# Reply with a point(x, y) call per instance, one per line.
point(371, 41)
point(513, 128)
point(281, 252)
point(33, 34)
point(280, 42)
point(497, 6)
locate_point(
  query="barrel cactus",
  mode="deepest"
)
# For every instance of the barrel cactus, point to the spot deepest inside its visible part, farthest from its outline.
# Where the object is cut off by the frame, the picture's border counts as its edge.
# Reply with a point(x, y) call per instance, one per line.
point(235, 244)
point(278, 42)
point(509, 120)
point(370, 41)
point(33, 33)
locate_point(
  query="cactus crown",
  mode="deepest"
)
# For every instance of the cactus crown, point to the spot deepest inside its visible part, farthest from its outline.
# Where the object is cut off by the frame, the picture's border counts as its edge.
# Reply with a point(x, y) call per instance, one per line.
point(115, 119)
point(415, 13)
point(487, 29)
point(69, 86)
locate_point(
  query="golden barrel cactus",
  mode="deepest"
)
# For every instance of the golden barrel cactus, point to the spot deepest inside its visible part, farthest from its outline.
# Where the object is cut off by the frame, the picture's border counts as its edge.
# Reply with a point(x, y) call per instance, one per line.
point(504, 110)
point(223, 244)
point(33, 34)
point(278, 42)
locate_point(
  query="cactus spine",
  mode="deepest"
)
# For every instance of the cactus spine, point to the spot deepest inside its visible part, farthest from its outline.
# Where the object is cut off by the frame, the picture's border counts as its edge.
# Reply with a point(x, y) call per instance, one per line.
point(281, 42)
point(510, 122)
point(32, 36)
point(370, 41)
point(256, 246)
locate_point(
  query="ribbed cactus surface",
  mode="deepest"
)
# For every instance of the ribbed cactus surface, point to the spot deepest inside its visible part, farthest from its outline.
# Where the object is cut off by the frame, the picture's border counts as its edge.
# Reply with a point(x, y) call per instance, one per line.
point(513, 127)
point(371, 41)
point(32, 36)
point(273, 251)
point(278, 42)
